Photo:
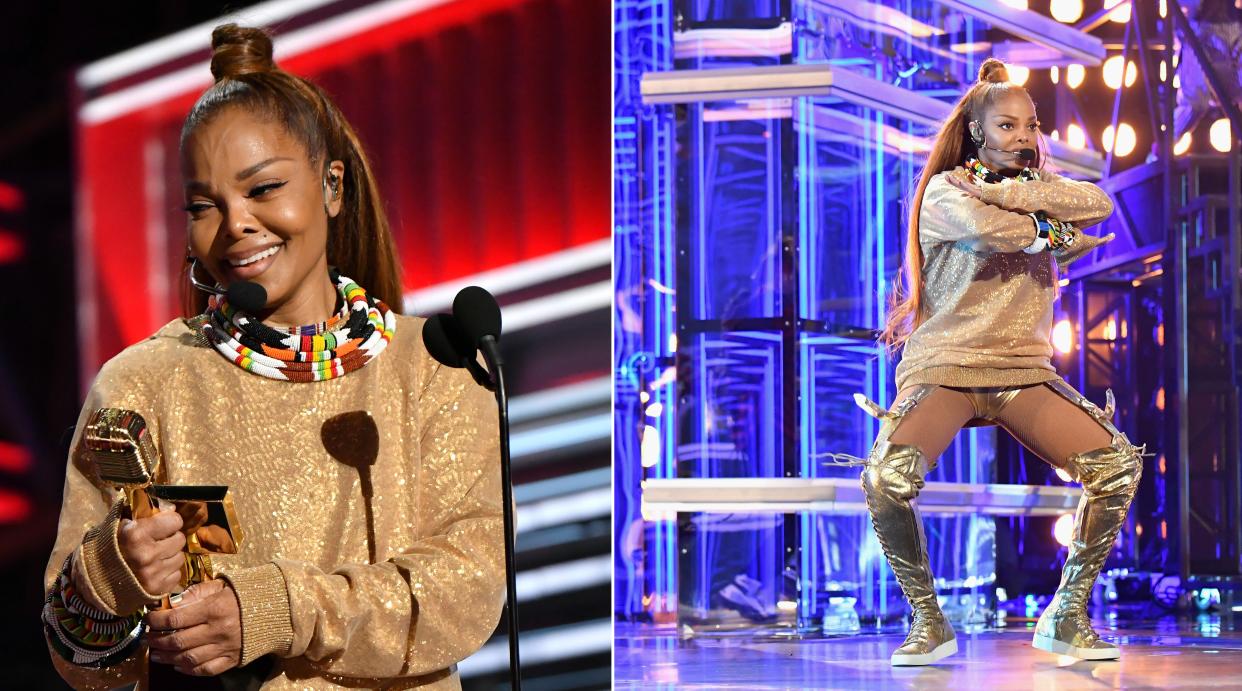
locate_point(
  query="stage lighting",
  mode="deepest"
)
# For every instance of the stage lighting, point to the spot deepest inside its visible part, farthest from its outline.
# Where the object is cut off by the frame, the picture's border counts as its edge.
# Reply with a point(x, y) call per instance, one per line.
point(650, 450)
point(1121, 15)
point(1221, 135)
point(1124, 139)
point(1063, 336)
point(1054, 74)
point(1055, 136)
point(1075, 137)
point(1066, 11)
point(1182, 145)
point(1064, 475)
point(1113, 75)
point(655, 409)
point(1017, 4)
point(1018, 74)
point(1110, 329)
point(1164, 8)
point(1074, 74)
point(1063, 529)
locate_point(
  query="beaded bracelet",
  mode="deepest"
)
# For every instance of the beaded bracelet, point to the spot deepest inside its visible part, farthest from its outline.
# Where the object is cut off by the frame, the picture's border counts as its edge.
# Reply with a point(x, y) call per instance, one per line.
point(82, 634)
point(1050, 234)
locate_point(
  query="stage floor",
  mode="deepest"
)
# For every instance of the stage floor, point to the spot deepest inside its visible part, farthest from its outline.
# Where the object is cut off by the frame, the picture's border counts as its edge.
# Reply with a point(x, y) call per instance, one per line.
point(1166, 654)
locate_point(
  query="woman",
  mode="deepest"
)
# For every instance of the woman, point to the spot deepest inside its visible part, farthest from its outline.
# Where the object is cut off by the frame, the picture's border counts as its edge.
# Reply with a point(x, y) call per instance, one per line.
point(974, 316)
point(335, 584)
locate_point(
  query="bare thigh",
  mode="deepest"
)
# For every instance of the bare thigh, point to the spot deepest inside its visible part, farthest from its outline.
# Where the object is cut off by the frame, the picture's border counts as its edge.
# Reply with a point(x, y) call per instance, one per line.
point(933, 423)
point(1053, 428)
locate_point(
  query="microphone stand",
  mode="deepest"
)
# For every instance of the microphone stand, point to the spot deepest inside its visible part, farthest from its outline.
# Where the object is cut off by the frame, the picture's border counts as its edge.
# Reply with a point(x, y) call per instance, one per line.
point(491, 353)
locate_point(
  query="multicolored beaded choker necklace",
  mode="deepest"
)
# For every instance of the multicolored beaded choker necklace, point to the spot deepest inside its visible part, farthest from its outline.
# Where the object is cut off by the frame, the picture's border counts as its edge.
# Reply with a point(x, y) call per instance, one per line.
point(982, 172)
point(348, 341)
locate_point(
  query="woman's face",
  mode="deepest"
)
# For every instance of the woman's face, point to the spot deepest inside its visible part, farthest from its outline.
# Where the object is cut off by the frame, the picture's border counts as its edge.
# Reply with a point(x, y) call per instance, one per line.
point(256, 207)
point(1010, 124)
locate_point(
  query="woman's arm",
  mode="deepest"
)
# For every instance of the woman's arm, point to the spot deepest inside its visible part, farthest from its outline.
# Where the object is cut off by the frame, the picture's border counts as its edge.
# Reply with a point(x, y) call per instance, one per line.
point(86, 542)
point(418, 612)
point(1072, 201)
point(950, 214)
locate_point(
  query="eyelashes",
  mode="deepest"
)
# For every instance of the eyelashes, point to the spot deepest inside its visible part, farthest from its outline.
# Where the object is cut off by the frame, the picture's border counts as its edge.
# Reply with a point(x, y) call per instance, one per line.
point(263, 189)
point(256, 192)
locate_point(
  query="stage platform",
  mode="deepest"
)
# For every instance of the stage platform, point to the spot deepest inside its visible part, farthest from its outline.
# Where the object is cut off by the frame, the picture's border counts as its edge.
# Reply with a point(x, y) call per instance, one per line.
point(1163, 654)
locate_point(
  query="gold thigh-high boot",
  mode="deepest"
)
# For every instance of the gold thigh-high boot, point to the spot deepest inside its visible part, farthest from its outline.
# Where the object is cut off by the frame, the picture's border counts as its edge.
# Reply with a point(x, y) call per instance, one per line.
point(891, 481)
point(1110, 478)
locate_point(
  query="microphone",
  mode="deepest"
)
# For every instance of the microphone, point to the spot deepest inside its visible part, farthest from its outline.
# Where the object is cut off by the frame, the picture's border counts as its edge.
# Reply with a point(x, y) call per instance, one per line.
point(246, 296)
point(476, 316)
point(450, 346)
point(1025, 154)
point(479, 316)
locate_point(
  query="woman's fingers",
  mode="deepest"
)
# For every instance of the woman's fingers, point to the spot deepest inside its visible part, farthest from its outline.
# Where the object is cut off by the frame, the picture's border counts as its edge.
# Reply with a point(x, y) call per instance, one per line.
point(151, 546)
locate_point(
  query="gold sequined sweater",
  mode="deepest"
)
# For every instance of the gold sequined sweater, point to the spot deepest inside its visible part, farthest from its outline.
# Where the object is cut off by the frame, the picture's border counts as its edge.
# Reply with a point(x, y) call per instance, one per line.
point(987, 305)
point(307, 590)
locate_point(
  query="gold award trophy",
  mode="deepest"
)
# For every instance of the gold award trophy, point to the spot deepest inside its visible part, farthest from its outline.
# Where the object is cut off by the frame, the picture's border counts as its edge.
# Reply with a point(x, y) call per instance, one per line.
point(120, 445)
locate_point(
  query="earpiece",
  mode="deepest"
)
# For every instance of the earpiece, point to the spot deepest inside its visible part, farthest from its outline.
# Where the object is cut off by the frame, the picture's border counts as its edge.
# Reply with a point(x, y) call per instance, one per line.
point(334, 181)
point(976, 131)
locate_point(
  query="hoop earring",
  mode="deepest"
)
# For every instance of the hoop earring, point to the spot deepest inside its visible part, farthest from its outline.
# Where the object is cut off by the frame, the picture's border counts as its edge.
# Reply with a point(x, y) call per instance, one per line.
point(210, 290)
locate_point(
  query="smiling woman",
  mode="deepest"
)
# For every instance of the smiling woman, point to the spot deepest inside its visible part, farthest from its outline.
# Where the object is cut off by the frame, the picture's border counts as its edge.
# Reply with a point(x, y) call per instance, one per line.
point(283, 397)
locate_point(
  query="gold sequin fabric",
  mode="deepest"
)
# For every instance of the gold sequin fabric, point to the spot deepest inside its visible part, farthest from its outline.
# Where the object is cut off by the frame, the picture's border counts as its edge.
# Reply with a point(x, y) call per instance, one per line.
point(297, 458)
point(987, 305)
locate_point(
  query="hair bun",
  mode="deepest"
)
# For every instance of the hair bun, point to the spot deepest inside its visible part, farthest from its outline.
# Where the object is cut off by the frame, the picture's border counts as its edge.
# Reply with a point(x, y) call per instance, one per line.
point(238, 50)
point(993, 70)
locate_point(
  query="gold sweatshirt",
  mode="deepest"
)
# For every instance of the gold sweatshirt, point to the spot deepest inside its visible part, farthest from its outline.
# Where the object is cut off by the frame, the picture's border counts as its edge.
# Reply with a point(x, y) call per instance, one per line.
point(987, 305)
point(307, 591)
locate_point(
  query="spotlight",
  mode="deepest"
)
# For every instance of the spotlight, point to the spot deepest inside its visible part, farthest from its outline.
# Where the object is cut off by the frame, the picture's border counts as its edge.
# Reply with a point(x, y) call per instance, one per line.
point(1017, 4)
point(1221, 136)
point(1065, 476)
point(1066, 11)
point(1075, 137)
point(1121, 15)
point(1063, 529)
point(1054, 74)
point(1124, 139)
point(1113, 72)
point(1074, 74)
point(1063, 336)
point(1018, 74)
point(1182, 145)
point(650, 449)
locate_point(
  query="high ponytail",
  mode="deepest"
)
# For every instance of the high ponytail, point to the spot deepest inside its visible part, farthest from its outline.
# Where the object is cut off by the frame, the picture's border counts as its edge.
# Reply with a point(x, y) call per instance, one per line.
point(360, 241)
point(952, 147)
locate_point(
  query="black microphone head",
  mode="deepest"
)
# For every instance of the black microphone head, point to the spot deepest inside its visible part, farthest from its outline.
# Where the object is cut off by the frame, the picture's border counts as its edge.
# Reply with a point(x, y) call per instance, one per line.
point(1026, 154)
point(446, 342)
point(246, 296)
point(477, 313)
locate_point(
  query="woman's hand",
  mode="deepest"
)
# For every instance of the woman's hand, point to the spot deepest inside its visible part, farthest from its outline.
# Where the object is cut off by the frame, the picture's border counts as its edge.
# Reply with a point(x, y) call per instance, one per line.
point(151, 547)
point(201, 635)
point(964, 185)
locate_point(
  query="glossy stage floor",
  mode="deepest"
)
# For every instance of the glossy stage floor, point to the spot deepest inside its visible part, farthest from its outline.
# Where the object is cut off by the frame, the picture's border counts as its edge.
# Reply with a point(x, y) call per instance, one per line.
point(1164, 654)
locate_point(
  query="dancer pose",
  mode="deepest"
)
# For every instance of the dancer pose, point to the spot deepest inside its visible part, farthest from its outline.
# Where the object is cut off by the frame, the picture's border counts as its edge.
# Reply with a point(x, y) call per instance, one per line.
point(986, 235)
